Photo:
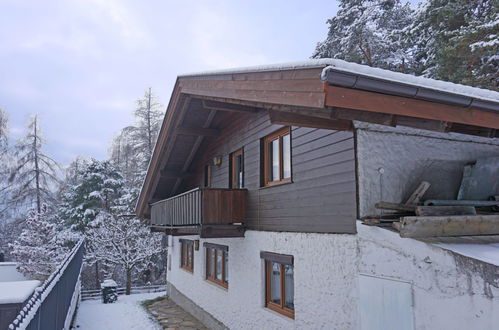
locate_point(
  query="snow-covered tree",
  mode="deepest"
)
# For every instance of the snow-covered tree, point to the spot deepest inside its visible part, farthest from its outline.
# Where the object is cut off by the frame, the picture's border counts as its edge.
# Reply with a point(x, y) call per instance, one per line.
point(458, 41)
point(34, 175)
point(124, 241)
point(124, 156)
point(149, 118)
point(369, 32)
point(3, 130)
point(132, 148)
point(41, 245)
point(97, 185)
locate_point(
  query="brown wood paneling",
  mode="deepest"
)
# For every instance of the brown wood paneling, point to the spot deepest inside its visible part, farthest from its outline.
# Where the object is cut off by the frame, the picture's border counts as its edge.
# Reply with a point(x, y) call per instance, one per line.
point(397, 105)
point(321, 197)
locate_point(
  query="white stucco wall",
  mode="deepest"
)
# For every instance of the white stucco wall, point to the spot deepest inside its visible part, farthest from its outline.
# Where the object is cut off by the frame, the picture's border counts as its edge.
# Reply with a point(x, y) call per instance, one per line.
point(392, 161)
point(449, 291)
point(325, 281)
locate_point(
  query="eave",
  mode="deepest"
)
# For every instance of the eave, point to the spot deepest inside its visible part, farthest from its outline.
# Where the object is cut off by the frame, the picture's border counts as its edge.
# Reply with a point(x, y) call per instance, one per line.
point(295, 95)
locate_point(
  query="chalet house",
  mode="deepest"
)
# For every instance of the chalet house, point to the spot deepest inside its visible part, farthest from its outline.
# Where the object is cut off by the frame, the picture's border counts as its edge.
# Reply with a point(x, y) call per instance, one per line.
point(299, 196)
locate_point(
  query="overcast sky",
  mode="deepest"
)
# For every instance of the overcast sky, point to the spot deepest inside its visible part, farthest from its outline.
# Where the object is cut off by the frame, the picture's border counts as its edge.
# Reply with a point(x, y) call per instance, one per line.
point(82, 64)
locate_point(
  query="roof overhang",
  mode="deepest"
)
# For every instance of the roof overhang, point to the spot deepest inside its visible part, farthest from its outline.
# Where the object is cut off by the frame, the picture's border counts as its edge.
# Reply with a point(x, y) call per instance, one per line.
point(323, 94)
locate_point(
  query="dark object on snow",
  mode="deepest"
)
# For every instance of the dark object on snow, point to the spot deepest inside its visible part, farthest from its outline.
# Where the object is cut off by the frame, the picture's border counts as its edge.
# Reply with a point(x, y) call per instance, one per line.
point(109, 291)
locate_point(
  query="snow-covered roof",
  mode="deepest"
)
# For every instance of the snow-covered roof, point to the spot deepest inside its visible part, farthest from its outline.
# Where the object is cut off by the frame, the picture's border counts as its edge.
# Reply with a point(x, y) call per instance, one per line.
point(308, 64)
point(407, 79)
point(329, 64)
point(16, 292)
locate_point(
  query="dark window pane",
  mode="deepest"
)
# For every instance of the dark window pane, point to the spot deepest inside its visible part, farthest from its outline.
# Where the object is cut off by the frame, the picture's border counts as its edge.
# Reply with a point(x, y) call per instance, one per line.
point(239, 171)
point(275, 283)
point(212, 262)
point(286, 156)
point(226, 255)
point(274, 156)
point(219, 264)
point(189, 255)
point(207, 176)
point(289, 290)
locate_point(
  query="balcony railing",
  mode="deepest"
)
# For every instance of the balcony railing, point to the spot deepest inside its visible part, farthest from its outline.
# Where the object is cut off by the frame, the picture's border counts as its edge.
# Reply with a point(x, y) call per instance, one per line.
point(200, 206)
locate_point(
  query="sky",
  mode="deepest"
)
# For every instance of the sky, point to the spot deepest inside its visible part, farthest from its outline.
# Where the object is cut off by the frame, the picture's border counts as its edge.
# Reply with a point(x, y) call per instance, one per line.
point(80, 65)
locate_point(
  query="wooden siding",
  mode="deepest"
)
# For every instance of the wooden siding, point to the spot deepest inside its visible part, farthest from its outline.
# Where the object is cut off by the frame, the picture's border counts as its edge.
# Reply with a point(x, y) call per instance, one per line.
point(322, 196)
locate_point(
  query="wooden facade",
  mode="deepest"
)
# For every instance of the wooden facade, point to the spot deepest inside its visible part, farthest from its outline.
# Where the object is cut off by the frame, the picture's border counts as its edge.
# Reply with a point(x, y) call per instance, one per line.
point(211, 117)
point(201, 206)
point(321, 194)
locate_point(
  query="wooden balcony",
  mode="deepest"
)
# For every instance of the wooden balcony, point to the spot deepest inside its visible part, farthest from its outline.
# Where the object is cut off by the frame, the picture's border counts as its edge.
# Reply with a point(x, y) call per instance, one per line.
point(202, 211)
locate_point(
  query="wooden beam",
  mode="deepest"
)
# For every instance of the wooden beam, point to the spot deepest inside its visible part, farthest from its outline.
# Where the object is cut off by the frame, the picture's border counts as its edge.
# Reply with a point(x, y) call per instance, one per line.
point(418, 194)
point(395, 206)
point(397, 105)
point(194, 150)
point(175, 174)
point(444, 210)
point(219, 231)
point(366, 116)
point(230, 107)
point(292, 119)
point(182, 231)
point(197, 131)
point(458, 225)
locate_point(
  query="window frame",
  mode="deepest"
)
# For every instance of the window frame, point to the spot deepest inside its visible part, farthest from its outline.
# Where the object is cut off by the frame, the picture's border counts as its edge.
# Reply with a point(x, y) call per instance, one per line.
point(282, 261)
point(185, 246)
point(267, 159)
point(216, 249)
point(233, 172)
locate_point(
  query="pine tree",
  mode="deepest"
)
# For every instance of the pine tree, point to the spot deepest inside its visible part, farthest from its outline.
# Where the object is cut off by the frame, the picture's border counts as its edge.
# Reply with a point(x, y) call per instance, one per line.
point(40, 248)
point(35, 174)
point(457, 40)
point(97, 185)
point(369, 32)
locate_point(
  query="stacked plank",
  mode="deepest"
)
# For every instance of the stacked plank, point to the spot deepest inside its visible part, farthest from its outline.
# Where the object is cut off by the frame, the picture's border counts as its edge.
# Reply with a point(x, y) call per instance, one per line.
point(438, 217)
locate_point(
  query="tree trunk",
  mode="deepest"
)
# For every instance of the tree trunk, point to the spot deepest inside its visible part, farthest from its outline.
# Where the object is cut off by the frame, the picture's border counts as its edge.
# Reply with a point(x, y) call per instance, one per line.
point(97, 280)
point(37, 169)
point(128, 281)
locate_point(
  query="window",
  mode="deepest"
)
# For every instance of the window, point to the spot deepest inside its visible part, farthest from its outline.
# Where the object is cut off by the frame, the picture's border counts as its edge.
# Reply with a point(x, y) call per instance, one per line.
point(237, 169)
point(207, 176)
point(279, 283)
point(187, 255)
point(217, 264)
point(277, 157)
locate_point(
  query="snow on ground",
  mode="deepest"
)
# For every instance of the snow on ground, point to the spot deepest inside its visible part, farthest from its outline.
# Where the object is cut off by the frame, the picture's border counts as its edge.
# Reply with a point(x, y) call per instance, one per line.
point(486, 252)
point(8, 272)
point(126, 313)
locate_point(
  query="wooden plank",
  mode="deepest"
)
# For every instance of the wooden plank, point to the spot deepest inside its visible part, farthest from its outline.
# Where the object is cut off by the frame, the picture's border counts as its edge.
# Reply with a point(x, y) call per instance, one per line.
point(444, 210)
point(174, 174)
point(416, 196)
point(231, 107)
point(395, 206)
point(295, 73)
point(397, 105)
point(220, 231)
point(305, 99)
point(292, 119)
point(459, 225)
point(198, 131)
point(288, 85)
